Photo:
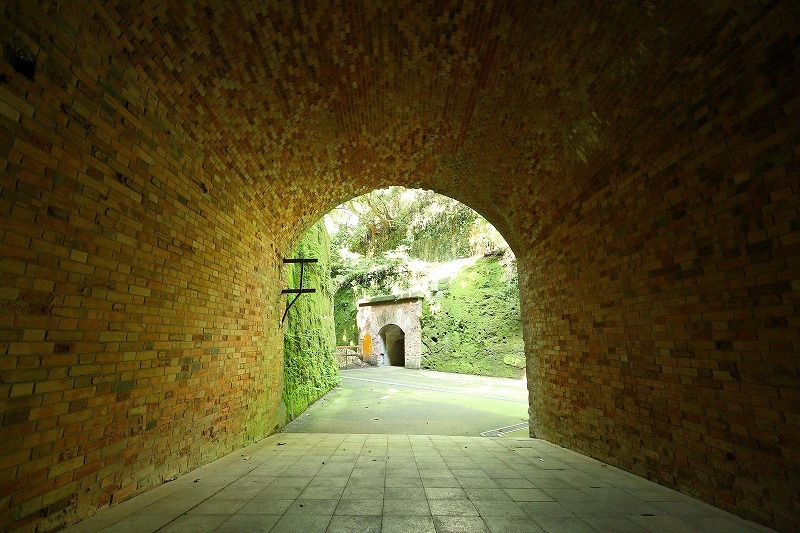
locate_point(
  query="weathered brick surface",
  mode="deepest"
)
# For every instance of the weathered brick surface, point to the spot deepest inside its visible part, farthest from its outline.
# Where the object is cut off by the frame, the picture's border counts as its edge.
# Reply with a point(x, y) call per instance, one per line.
point(375, 315)
point(159, 159)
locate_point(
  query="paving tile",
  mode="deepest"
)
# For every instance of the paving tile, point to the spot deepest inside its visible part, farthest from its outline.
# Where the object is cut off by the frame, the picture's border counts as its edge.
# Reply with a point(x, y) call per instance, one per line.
point(584, 509)
point(445, 493)
point(573, 495)
point(497, 524)
point(134, 524)
point(560, 523)
point(295, 523)
point(280, 492)
point(452, 508)
point(322, 493)
point(431, 465)
point(302, 471)
point(199, 493)
point(350, 492)
point(615, 524)
point(663, 523)
point(655, 493)
point(359, 492)
point(630, 506)
point(315, 507)
point(330, 470)
point(477, 483)
point(469, 472)
point(494, 472)
point(215, 506)
point(545, 509)
point(261, 505)
point(368, 473)
point(514, 483)
point(241, 493)
point(168, 506)
point(499, 508)
point(406, 524)
point(291, 482)
point(404, 493)
point(487, 494)
point(194, 523)
point(459, 524)
point(402, 471)
point(359, 507)
point(406, 507)
point(403, 481)
point(354, 524)
point(552, 483)
point(528, 495)
point(440, 481)
point(261, 523)
point(322, 480)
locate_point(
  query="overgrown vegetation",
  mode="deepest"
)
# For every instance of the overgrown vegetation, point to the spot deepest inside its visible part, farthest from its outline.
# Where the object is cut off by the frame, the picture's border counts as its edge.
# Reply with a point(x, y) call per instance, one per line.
point(471, 324)
point(390, 241)
point(309, 354)
point(413, 223)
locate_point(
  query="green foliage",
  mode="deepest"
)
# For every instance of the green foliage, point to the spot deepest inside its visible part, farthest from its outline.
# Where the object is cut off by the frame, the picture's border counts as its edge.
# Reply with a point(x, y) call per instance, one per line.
point(440, 229)
point(359, 277)
point(309, 354)
point(377, 275)
point(420, 224)
point(472, 325)
point(345, 309)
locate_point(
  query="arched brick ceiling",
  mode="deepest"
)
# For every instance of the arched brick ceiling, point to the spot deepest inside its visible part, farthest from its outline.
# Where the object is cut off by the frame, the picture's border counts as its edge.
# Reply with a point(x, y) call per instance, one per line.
point(160, 158)
point(512, 107)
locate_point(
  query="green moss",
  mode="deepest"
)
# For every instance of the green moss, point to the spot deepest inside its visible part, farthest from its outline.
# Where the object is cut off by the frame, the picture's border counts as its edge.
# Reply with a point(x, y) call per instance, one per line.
point(472, 325)
point(309, 354)
point(345, 309)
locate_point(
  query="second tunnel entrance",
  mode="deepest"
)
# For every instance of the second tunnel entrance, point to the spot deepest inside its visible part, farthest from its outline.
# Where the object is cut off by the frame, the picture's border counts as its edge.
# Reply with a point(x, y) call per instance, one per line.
point(395, 320)
point(393, 341)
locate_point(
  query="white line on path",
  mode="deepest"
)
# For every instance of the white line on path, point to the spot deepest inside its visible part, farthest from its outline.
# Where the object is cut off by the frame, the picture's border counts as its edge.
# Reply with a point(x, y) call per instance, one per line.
point(508, 429)
point(435, 389)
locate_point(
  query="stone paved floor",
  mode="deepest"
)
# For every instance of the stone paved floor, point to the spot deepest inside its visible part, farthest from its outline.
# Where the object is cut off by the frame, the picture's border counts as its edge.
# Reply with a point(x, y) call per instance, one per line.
point(409, 483)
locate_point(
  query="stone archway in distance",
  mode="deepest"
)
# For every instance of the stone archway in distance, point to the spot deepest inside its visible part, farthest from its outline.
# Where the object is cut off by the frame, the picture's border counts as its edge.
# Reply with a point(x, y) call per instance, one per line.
point(393, 345)
point(374, 317)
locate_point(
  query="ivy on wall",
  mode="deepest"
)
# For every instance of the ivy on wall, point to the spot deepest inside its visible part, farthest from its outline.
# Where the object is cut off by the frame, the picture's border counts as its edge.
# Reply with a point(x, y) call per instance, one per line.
point(309, 353)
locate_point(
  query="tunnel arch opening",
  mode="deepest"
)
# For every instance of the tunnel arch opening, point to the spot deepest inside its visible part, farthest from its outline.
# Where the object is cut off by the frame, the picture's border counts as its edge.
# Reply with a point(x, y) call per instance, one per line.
point(438, 253)
point(654, 227)
point(393, 345)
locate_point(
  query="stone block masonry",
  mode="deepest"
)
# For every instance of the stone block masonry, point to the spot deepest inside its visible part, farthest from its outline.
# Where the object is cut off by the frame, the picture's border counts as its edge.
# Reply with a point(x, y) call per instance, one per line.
point(157, 162)
point(376, 315)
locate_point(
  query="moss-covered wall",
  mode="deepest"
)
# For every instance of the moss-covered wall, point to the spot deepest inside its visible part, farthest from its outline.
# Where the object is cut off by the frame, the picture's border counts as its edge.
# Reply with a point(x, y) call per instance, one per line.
point(310, 368)
point(471, 324)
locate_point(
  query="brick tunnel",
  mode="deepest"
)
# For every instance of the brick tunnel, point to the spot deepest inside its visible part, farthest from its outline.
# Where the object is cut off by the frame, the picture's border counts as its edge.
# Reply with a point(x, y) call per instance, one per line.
point(158, 162)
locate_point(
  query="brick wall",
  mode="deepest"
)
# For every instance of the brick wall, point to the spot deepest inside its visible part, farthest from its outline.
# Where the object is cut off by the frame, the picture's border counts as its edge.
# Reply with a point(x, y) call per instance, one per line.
point(662, 320)
point(157, 161)
point(139, 302)
point(661, 309)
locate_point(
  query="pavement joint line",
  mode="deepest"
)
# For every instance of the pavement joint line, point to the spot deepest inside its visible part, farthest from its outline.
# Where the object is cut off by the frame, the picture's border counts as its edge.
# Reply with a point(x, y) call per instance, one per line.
point(508, 429)
point(434, 389)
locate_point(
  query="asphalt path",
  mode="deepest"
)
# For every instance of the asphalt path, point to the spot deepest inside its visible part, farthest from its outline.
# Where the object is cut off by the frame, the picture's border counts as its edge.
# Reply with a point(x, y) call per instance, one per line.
point(397, 400)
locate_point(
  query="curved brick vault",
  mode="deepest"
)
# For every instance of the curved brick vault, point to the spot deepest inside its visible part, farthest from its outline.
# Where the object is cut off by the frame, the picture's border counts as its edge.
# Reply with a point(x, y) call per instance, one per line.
point(159, 161)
